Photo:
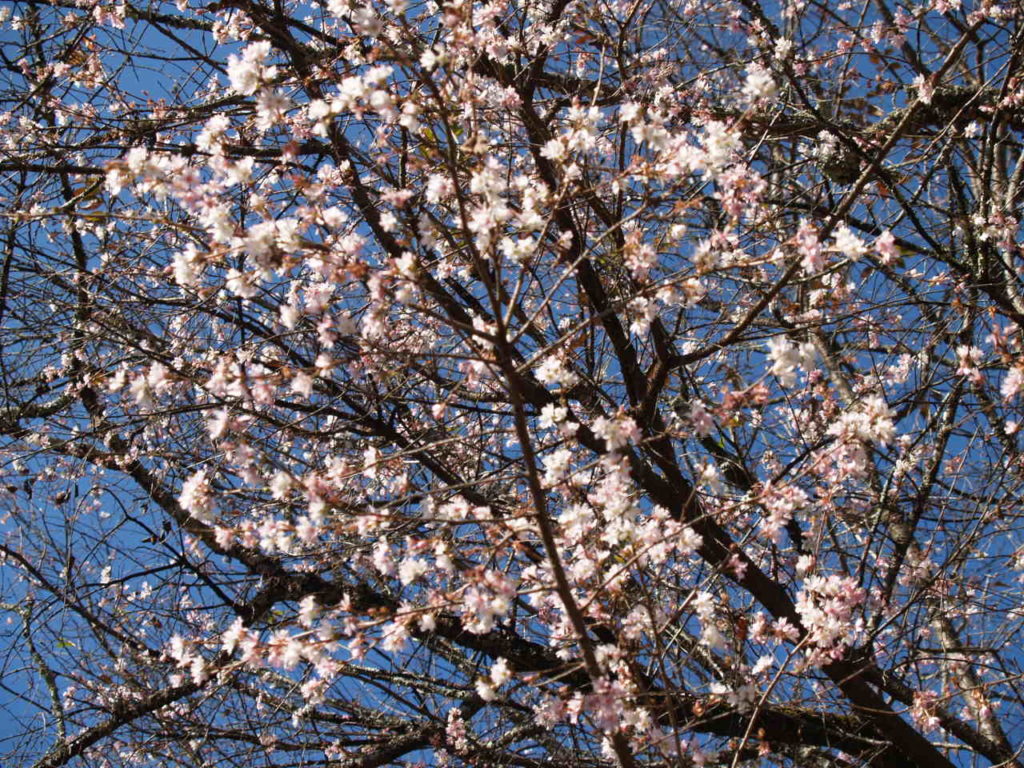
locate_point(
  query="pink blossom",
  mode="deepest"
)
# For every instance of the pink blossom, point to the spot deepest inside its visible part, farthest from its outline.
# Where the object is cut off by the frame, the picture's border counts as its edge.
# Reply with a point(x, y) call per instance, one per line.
point(616, 432)
point(826, 607)
point(247, 71)
point(196, 497)
point(1012, 382)
point(888, 252)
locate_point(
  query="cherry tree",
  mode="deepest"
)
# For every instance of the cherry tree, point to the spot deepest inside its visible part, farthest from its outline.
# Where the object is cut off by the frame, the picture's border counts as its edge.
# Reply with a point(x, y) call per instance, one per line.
point(511, 383)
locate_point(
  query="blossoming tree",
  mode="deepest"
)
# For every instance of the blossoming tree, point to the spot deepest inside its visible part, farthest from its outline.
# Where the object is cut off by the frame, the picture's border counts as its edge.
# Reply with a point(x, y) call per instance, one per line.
point(530, 382)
